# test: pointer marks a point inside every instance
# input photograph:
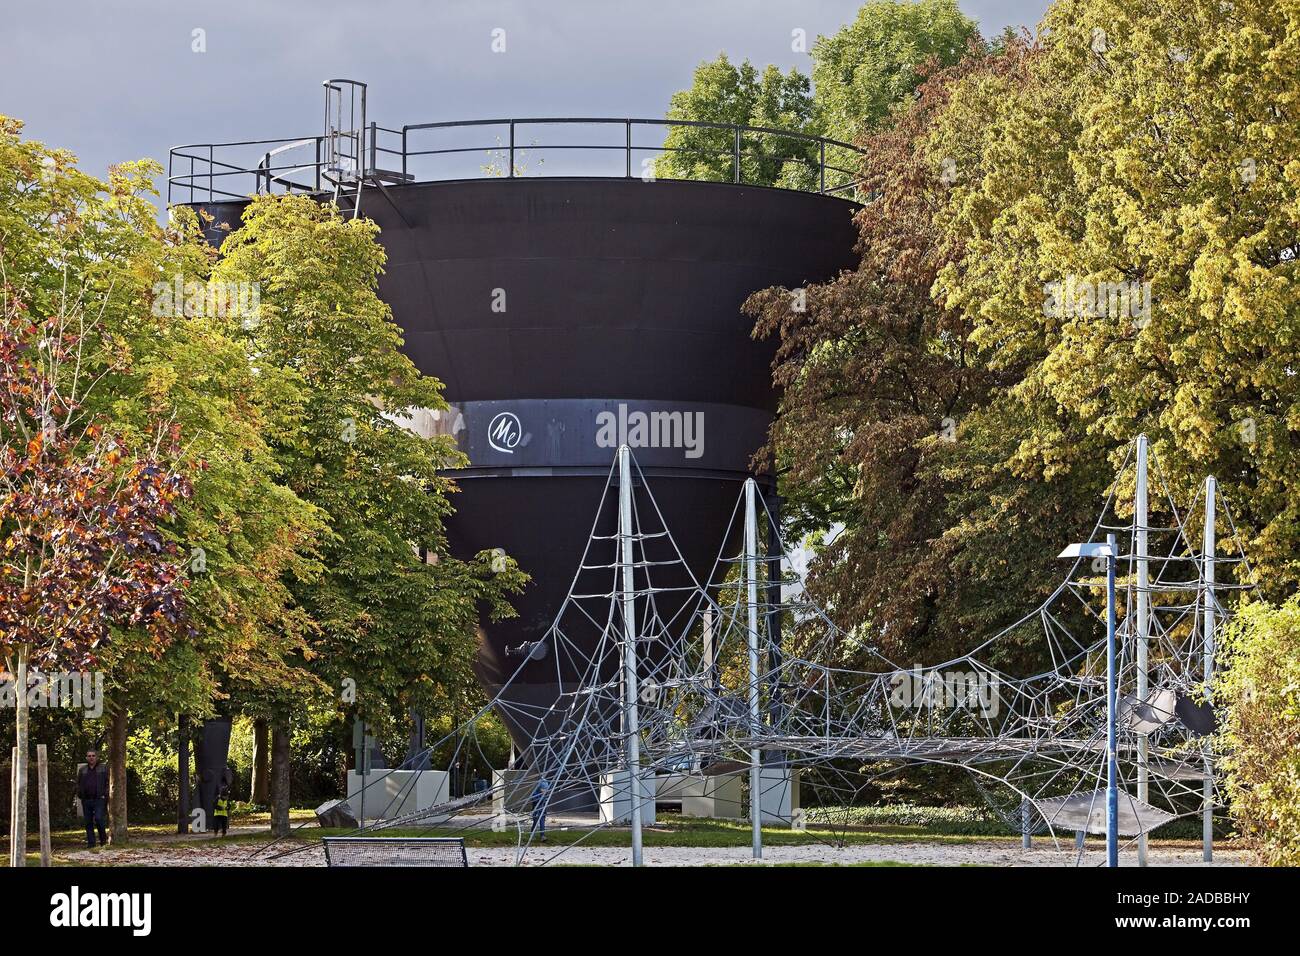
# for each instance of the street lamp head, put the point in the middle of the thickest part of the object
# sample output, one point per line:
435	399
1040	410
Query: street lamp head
1088	550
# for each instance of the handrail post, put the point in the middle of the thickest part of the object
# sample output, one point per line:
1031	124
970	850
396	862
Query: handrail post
317	167
511	174
210	158
736	158
822	188
374	151
361	136
403	150
627	124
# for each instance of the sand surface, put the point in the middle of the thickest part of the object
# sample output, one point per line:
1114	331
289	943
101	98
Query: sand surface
206	851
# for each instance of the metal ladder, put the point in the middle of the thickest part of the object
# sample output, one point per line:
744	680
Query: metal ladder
350	145
344	152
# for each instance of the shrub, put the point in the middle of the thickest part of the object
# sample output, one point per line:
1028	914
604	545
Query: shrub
1259	690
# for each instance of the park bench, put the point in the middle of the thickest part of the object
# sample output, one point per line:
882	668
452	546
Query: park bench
395	851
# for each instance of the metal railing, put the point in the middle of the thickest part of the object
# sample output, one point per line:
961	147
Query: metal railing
431	152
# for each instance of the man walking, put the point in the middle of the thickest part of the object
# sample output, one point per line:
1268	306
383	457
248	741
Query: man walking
92	790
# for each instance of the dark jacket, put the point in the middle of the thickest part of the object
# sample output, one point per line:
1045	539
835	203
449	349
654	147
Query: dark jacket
92	782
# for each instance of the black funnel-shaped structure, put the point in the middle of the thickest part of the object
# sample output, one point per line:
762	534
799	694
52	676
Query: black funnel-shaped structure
569	315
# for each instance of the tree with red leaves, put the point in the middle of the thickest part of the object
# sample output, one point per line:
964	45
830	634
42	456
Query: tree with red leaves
81	547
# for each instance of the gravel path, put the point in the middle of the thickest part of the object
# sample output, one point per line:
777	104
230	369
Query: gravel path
991	853
934	854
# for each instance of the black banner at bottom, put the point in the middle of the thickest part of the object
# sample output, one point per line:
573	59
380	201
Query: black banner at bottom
137	907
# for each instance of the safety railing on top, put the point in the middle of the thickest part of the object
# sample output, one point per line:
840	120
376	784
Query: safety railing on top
430	152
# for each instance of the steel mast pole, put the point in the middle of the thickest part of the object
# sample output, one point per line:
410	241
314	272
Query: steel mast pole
630	687
1207	786
751	598
1112	761
1143	623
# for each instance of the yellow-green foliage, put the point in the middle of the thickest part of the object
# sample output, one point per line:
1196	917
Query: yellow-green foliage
1155	144
1261	731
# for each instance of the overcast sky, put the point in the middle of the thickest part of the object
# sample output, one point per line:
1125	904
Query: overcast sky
119	80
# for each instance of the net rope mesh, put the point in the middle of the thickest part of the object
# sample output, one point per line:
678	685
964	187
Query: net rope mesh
832	708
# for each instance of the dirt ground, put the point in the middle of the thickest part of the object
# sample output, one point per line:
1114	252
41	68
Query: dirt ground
209	851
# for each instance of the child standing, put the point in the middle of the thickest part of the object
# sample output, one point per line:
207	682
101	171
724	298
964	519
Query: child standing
221	812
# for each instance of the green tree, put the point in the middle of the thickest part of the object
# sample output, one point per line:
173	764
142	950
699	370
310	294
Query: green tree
393	614
1026	205
896	434
1128	220
868	67
159	356
81	510
731	95
860	74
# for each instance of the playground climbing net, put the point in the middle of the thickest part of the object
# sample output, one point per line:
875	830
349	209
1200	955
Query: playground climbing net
695	682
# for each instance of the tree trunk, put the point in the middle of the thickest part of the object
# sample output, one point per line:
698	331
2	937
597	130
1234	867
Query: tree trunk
260	788
280	777
117	733
18	849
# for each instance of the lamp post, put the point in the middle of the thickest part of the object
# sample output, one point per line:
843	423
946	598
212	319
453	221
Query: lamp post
1107	551
631	686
